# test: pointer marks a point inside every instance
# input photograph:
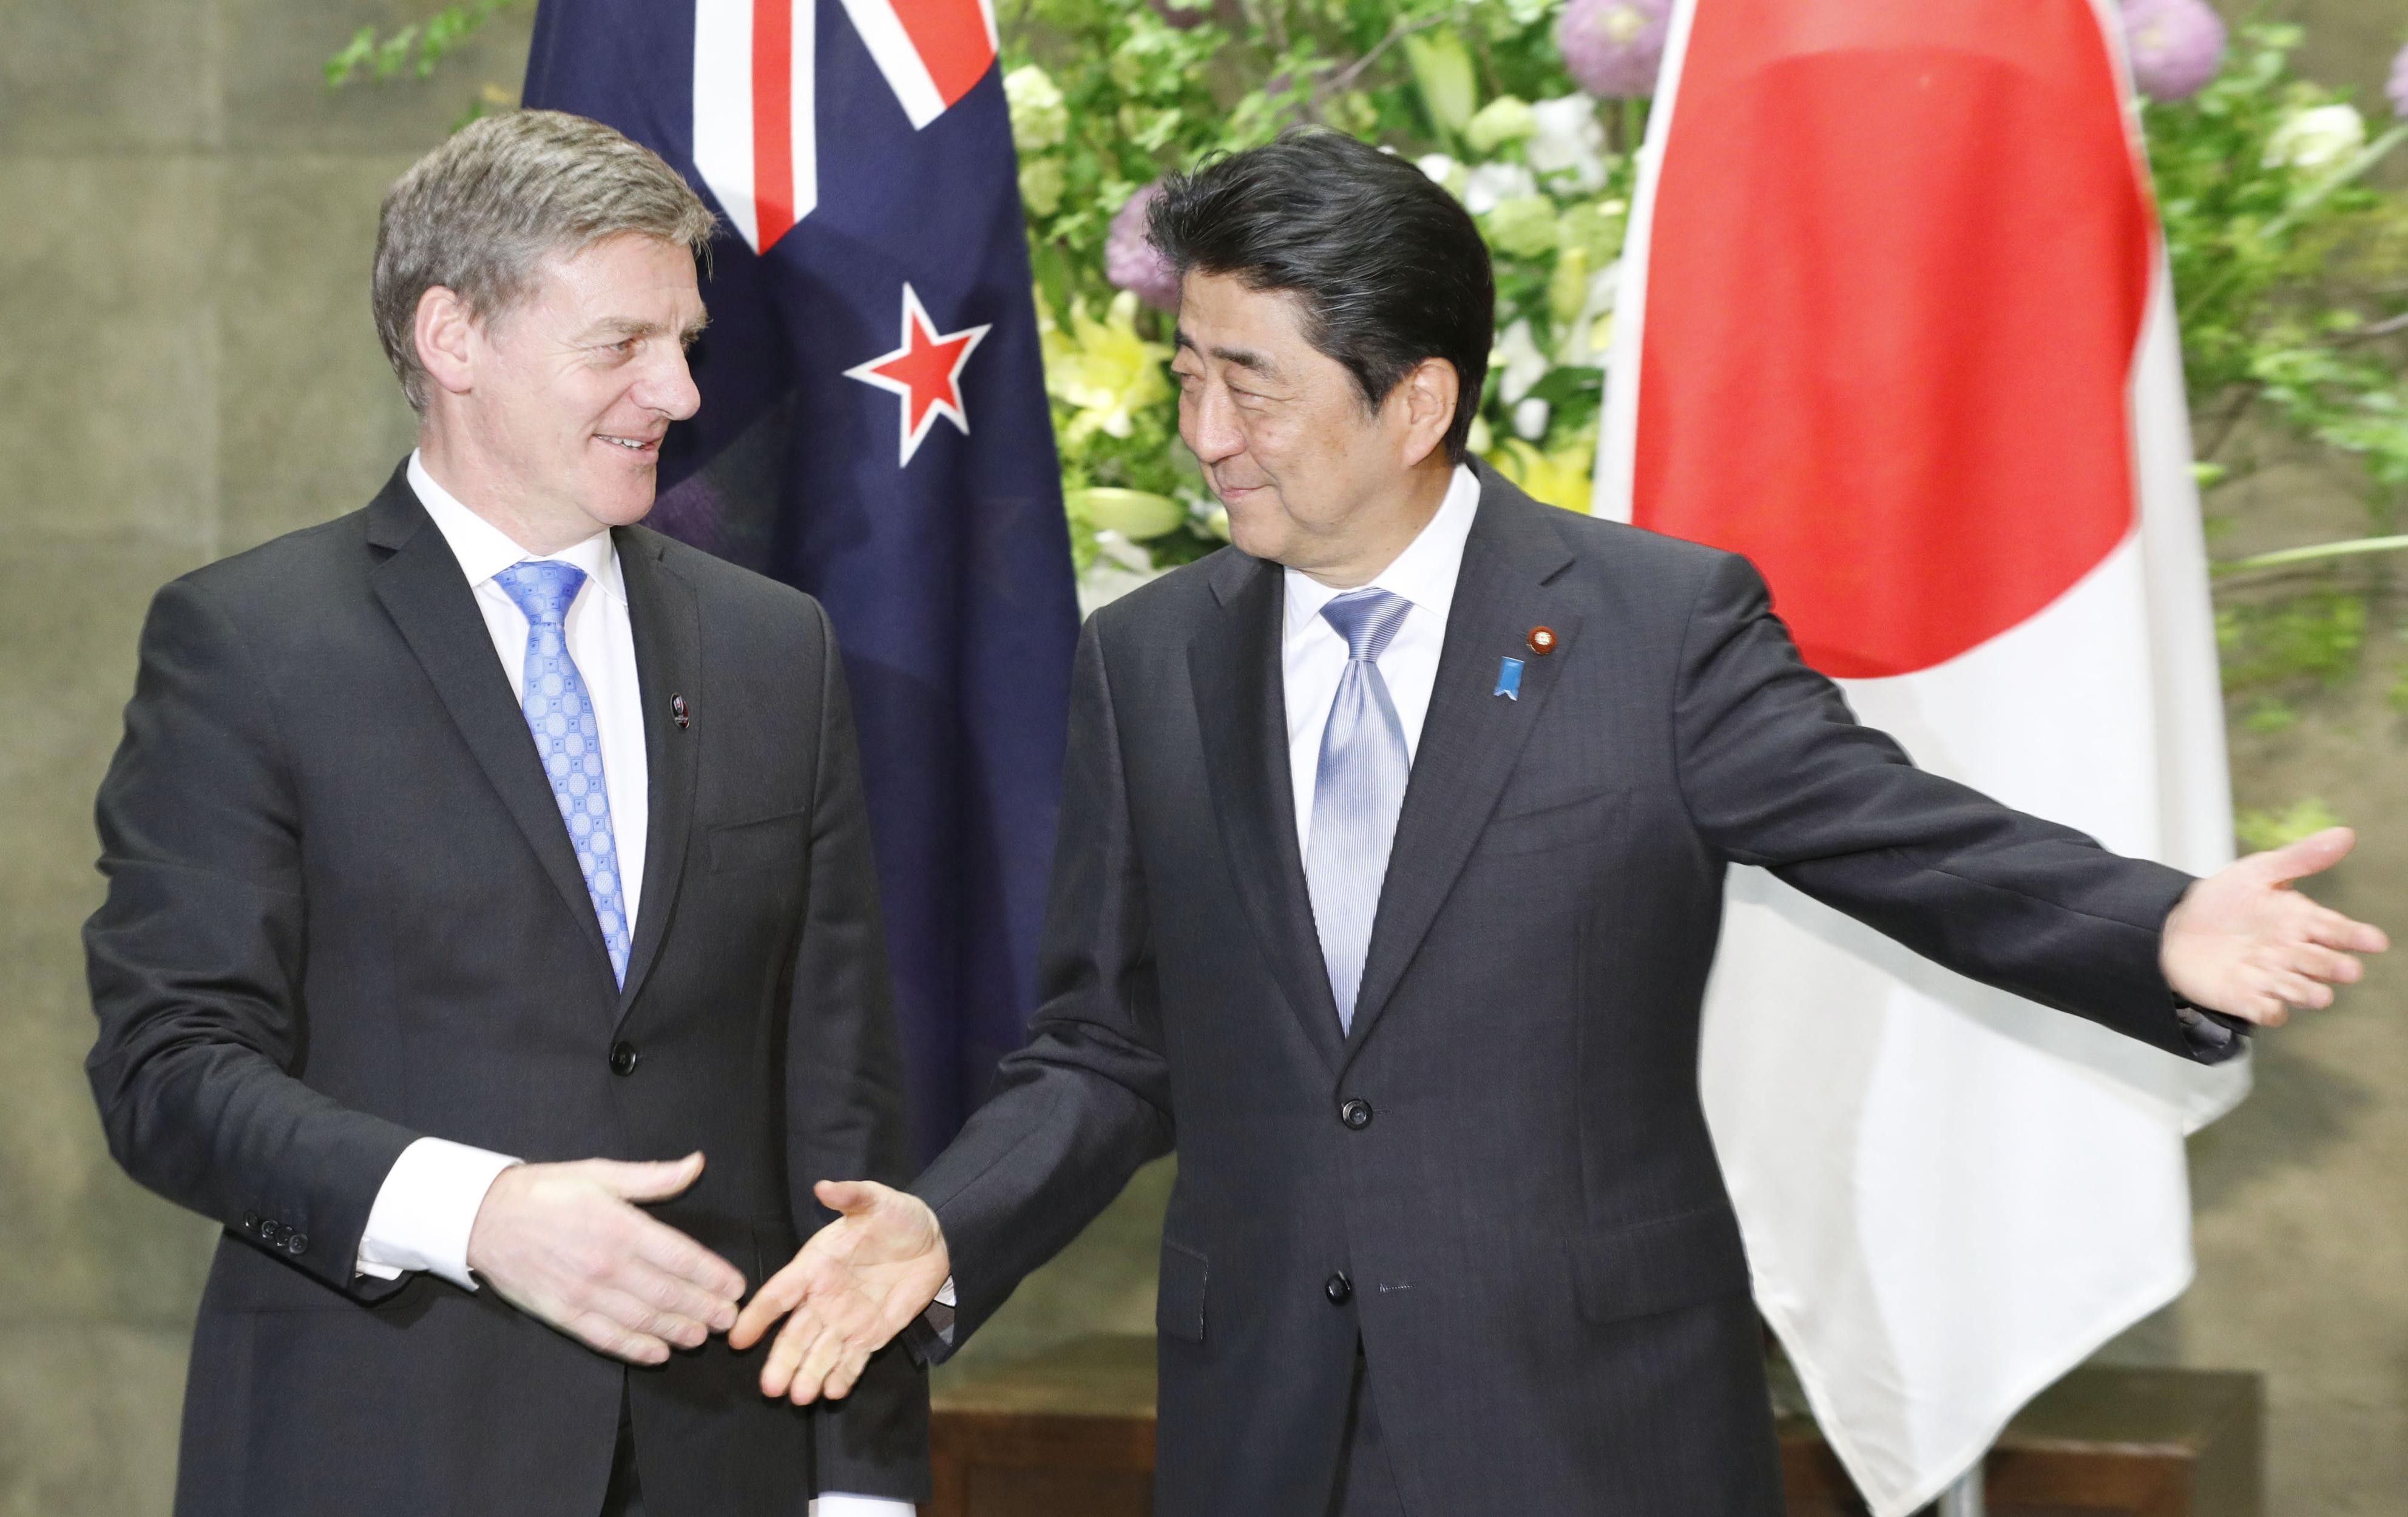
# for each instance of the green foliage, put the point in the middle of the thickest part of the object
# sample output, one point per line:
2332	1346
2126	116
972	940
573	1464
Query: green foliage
2257	830
2286	266
1108	95
2313	636
415	50
2288	277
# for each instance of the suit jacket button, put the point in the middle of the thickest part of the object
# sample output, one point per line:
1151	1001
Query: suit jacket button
1355	1113
251	1221
622	1058
271	1232
297	1244
1338	1289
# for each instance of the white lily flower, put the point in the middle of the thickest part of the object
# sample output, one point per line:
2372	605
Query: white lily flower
1120	566
2324	137
1530	418
1484	187
1583	336
1443	171
1518	361
1567	139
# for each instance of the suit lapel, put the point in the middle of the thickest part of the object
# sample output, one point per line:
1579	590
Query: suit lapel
1471	737
668	662
1234	665
429	600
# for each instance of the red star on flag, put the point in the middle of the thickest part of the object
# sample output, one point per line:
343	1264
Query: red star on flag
926	370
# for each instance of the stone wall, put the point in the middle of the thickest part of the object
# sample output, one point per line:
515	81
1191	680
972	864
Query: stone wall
190	369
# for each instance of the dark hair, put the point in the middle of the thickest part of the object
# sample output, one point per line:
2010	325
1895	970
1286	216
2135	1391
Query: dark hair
1392	271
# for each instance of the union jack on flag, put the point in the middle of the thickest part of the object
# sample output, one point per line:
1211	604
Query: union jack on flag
874	429
755	127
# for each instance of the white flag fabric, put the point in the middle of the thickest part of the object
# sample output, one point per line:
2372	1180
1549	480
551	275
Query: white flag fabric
1896	323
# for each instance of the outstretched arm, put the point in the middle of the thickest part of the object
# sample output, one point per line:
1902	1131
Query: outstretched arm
1073	1115
1778	772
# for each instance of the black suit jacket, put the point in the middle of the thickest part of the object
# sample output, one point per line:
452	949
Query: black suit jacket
343	913
1502	1182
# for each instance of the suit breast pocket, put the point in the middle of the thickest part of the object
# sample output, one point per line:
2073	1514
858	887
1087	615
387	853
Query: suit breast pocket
772	843
1659	1266
1547	821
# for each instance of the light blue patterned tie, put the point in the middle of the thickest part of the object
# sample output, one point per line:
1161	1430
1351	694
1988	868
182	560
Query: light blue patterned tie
1358	791
560	714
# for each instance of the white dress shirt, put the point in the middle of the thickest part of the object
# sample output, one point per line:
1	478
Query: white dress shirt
429	1200
1313	657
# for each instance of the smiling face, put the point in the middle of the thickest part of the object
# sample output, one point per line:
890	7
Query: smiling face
1311	477
547	418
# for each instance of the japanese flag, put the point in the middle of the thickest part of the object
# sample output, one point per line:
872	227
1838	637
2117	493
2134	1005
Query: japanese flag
1895	323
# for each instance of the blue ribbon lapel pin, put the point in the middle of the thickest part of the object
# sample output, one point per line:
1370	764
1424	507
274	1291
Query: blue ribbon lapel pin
1509	678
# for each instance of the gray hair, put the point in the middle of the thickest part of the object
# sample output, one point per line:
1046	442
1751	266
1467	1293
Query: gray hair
479	216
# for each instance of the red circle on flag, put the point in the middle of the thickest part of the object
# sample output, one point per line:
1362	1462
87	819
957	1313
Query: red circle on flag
1896	276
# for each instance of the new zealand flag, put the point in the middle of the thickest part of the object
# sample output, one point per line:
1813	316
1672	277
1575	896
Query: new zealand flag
874	430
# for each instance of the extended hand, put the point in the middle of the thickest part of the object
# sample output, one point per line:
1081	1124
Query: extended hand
2242	941
858	1282
561	1243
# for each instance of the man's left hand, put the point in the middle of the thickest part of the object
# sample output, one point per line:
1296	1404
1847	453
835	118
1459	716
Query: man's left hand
2243	942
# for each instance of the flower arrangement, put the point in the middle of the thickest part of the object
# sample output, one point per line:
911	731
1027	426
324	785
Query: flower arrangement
1529	111
2286	261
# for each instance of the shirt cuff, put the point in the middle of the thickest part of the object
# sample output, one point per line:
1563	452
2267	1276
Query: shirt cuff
426	1209
942	1311
2210	1036
845	1504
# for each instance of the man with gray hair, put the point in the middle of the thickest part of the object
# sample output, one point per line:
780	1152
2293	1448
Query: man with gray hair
477	863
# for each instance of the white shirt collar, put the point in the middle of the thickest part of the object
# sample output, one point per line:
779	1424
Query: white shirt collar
485	550
1425	573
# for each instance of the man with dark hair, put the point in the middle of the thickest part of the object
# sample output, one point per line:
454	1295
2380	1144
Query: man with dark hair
477	861
1390	874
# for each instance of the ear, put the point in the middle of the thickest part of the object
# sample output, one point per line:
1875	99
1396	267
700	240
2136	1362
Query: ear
1427	395
446	335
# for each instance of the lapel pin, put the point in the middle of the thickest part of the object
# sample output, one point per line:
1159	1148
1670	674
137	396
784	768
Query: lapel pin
678	712
1509	678
1542	640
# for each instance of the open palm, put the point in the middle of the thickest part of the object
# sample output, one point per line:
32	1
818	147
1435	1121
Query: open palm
856	1283
2243	942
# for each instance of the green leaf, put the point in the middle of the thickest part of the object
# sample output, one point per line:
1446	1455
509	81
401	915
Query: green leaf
1443	71
2315	636
2259	830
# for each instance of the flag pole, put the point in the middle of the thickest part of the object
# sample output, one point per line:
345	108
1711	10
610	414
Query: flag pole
1964	1498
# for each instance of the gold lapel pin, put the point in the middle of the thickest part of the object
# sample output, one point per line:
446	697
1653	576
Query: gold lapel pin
1542	640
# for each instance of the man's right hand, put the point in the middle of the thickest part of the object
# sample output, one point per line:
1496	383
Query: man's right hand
856	1285
563	1243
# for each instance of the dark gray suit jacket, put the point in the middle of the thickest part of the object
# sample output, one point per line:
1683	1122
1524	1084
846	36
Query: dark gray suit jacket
343	913
1506	1162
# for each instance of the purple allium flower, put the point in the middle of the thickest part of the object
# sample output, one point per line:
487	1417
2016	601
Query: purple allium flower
2176	45
2397	88
1614	47
1132	263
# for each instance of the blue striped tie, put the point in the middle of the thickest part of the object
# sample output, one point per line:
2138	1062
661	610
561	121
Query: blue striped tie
1359	789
